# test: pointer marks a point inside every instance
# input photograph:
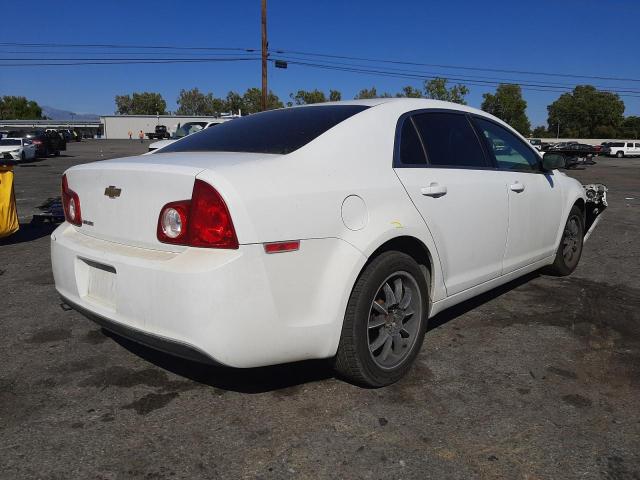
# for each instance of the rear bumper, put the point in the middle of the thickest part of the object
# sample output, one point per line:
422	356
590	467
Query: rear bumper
157	342
241	308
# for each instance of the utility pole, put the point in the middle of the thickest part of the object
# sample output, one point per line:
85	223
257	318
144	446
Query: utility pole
558	136
264	55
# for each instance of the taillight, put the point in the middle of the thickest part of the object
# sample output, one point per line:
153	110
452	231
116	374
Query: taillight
70	204
203	221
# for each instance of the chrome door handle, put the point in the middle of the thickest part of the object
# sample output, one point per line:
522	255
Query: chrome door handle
516	187
434	190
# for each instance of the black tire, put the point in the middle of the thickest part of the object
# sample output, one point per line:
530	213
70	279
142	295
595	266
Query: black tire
23	157
620	154
57	153
570	248
354	361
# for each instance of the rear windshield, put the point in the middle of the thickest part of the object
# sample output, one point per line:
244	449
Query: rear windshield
277	131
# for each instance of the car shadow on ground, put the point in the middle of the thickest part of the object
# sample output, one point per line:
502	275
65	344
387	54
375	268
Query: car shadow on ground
29	232
468	305
277	377
242	380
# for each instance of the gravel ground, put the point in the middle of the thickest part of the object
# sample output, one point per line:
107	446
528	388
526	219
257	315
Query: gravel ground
539	379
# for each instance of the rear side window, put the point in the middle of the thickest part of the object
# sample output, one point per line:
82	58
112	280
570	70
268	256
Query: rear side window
449	140
277	131
616	144
411	151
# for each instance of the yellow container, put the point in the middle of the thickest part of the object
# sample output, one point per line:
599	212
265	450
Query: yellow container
8	213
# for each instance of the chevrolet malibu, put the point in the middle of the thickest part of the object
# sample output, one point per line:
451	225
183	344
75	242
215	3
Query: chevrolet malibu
324	231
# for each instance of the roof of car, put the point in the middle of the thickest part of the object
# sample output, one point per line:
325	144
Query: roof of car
411	104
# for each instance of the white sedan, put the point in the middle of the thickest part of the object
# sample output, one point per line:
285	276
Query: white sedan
324	231
17	149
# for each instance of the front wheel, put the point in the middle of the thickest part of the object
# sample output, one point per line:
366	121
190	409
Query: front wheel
570	248
620	154
385	321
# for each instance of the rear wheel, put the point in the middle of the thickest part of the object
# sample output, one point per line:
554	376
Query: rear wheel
570	248
57	153
385	321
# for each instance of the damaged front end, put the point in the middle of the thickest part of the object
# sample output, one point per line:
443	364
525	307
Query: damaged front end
596	204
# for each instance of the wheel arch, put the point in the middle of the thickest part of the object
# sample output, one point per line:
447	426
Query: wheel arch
416	249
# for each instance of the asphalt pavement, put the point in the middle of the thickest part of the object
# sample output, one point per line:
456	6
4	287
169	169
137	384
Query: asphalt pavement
539	379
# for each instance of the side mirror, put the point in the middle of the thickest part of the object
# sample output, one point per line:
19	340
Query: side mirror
553	161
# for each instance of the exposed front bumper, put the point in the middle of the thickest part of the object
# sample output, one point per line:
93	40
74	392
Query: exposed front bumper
241	308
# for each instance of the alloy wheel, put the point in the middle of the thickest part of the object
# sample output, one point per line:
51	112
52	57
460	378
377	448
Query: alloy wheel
394	320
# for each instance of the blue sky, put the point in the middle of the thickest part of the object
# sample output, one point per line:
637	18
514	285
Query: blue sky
586	37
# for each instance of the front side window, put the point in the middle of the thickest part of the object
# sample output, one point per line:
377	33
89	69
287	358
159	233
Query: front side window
449	140
510	152
276	131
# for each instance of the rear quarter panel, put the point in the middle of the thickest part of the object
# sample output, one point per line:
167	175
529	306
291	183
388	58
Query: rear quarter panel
300	195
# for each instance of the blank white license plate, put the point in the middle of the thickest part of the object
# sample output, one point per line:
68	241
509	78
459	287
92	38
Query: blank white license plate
101	286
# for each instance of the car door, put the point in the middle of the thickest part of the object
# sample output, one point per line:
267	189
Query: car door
29	149
535	196
443	167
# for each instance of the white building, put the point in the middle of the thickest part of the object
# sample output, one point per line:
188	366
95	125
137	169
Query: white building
119	126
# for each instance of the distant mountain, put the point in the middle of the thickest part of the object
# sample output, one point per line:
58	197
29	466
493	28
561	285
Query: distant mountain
57	114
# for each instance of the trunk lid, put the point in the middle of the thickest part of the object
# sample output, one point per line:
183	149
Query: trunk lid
120	200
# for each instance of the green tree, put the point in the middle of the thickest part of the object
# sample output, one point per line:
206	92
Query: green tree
194	102
370	93
436	89
630	127
303	97
541	132
335	96
410	92
507	104
233	102
141	103
586	113
252	101
19	108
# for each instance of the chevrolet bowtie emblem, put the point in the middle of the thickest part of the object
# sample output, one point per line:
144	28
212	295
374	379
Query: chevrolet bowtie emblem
112	192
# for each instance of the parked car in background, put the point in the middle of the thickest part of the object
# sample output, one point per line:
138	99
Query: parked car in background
66	134
159	133
183	131
17	149
537	143
320	231
47	142
628	148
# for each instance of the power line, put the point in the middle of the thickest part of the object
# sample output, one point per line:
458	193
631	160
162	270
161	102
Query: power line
460	67
459	77
122	46
540	88
129	62
91	59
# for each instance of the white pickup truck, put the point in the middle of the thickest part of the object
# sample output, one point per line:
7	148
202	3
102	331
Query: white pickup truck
628	148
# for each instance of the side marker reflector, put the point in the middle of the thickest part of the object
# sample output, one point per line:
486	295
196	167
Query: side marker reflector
280	247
